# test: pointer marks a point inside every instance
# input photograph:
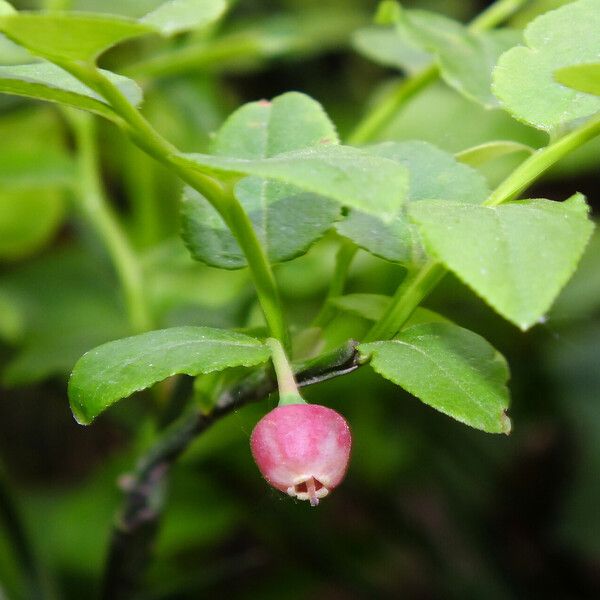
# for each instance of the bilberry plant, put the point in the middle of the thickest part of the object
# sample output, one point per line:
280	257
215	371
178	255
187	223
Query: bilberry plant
277	179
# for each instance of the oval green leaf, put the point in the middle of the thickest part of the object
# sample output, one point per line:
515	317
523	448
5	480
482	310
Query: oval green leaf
46	81
516	256
287	220
584	78
524	77
176	16
69	36
117	369
384	46
449	368
352	177
466	58
484	153
433	173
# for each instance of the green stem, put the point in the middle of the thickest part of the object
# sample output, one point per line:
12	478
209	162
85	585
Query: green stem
414	288
385	111
419	284
496	13
218	194
343	260
264	281
288	388
140	184
539	162
102	219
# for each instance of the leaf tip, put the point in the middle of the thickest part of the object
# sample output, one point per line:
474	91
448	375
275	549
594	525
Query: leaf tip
79	416
505	423
77	408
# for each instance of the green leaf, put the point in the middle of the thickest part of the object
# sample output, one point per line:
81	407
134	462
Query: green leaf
69	36
6	8
524	78
368	306
286	229
516	256
287	220
388	12
13	54
297	34
45	81
433	174
466	58
583	78
450	368
484	153
176	16
384	46
347	175
73	36
118	369
264	129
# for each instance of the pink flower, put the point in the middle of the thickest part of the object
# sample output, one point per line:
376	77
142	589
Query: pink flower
302	449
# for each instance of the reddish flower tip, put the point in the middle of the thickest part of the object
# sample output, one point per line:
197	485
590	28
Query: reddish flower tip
302	449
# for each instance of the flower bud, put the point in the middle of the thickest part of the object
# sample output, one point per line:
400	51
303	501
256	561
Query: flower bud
302	449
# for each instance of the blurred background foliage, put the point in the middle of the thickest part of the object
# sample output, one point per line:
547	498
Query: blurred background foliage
430	508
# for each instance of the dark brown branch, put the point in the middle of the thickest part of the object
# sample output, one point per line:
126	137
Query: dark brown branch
137	522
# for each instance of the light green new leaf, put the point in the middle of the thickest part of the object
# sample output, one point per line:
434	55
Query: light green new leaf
69	36
433	173
516	256
450	368
524	78
286	219
368	306
298	33
352	177
384	46
466	58
584	78
176	16
118	369
484	153
46	81
373	307
6	8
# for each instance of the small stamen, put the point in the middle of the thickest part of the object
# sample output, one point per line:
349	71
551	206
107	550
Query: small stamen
312	492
